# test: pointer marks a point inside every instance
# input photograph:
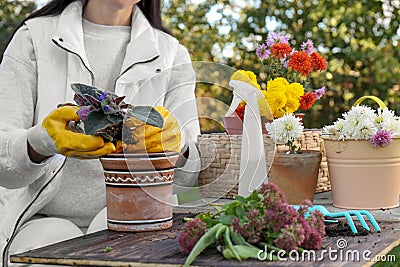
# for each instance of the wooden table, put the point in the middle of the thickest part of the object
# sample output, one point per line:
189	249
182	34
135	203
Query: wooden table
160	248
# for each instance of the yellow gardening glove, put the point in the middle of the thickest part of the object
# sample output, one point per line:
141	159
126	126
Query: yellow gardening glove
153	139
64	141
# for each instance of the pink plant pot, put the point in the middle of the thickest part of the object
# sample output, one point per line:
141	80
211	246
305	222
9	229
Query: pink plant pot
234	125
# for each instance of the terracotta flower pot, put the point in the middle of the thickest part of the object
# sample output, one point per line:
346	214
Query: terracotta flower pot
234	125
296	175
300	116
139	190
361	176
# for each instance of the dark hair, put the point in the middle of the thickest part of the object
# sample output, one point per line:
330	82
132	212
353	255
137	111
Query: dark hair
150	8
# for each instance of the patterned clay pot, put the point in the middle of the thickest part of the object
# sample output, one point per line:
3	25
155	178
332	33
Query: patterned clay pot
296	175
139	190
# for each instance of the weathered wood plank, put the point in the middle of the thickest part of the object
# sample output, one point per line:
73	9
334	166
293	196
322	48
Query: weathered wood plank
160	248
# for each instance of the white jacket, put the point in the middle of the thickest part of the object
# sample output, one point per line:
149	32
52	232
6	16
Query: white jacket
156	71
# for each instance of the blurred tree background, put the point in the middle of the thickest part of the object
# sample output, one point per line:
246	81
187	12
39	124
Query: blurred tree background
359	38
11	14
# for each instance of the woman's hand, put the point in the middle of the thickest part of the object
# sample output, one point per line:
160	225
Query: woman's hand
147	138
55	136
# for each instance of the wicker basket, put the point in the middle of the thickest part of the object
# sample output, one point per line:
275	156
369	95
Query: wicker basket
220	159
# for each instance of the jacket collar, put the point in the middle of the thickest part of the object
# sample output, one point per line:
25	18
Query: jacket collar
142	47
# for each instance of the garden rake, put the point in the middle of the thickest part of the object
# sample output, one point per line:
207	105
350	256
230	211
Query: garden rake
348	215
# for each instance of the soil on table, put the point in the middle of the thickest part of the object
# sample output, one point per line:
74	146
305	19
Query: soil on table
343	229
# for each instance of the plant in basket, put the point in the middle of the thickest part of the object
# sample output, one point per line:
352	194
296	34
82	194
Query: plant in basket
363	155
288	74
139	180
294	171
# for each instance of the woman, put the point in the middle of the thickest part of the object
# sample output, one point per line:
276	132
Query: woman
115	45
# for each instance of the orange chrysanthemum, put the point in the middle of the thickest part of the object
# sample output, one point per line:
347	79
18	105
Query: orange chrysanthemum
318	62
280	50
301	62
307	101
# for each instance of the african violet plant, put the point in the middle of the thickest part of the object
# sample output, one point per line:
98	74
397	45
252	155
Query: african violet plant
103	113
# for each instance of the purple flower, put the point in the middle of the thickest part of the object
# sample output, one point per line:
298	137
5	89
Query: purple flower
381	138
106	108
320	92
83	112
308	47
285	62
103	95
275	38
262	51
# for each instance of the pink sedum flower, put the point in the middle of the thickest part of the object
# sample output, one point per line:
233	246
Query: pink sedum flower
192	231
382	138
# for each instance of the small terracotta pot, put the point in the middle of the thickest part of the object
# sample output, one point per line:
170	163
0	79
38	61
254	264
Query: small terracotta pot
296	175
234	125
361	176
139	190
300	116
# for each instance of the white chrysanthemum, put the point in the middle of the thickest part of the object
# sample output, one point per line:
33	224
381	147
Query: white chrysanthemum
387	120
285	129
362	122
359	122
339	126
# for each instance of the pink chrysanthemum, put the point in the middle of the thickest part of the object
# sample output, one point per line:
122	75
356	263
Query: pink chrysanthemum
382	138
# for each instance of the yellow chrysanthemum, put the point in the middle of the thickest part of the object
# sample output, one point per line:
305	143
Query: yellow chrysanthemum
247	77
295	90
264	107
276	100
292	104
277	84
279	113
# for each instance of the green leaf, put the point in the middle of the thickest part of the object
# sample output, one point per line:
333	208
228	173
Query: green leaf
253	196
231	210
84	89
95	121
148	115
241	199
226	219
253	204
240	212
115	118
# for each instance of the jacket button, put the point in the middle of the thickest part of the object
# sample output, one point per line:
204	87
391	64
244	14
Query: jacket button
61	39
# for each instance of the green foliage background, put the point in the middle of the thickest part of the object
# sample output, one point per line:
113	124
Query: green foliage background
12	13
359	38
